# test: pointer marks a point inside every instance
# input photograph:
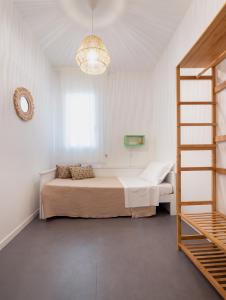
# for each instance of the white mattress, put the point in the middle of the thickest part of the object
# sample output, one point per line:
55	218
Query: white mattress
165	188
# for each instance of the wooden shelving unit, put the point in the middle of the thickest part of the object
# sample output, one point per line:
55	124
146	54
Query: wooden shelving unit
211	225
210	260
207	249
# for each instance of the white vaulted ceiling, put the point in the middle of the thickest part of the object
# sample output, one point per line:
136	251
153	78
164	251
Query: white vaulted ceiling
134	31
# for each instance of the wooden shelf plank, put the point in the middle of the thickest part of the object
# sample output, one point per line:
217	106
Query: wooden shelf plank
220	87
197	147
191	203
196	124
209	270
215	62
209	46
187	169
193	237
221	171
199	221
196	78
197	103
220	138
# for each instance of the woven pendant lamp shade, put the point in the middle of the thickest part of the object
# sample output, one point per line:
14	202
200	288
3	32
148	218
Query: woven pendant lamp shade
92	56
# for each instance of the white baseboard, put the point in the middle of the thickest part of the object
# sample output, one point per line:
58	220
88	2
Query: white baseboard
17	230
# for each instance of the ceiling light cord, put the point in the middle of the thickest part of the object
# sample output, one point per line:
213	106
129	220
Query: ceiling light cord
92	20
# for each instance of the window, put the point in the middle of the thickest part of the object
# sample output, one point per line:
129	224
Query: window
80	121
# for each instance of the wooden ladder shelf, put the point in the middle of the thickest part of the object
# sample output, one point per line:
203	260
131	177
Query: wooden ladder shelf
208	251
207	248
210	261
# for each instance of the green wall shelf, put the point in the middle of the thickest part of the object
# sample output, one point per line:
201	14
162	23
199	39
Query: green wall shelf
134	140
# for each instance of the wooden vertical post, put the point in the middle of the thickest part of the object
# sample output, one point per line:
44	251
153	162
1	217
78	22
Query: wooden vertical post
178	171
214	154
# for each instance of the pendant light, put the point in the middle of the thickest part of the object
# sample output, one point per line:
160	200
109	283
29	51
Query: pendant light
92	56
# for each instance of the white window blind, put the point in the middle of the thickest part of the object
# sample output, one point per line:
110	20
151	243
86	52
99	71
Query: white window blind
80	121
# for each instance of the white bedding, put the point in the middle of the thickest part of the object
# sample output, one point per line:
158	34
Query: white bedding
139	192
165	188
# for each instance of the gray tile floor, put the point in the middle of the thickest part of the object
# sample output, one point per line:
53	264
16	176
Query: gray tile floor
112	259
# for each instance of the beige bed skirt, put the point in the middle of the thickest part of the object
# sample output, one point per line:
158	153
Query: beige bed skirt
100	197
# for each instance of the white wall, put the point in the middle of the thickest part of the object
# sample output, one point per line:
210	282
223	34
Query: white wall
127	109
26	147
199	15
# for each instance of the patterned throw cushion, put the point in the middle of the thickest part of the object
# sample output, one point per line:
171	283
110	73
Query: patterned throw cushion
82	172
63	171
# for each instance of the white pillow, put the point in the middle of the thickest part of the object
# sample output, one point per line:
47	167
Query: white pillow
156	172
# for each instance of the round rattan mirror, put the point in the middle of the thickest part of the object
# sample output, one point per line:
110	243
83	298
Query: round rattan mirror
23	103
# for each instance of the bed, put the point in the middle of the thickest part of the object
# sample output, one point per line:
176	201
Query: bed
99	197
